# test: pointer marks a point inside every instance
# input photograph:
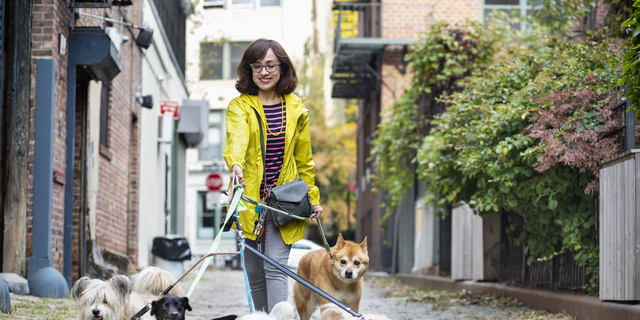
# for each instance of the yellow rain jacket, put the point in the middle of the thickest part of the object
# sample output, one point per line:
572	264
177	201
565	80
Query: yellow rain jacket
243	148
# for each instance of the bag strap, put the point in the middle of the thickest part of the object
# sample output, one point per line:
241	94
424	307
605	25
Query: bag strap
264	180
264	165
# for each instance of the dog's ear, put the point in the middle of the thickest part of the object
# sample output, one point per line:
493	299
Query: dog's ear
340	242
154	307
122	284
363	245
78	288
185	303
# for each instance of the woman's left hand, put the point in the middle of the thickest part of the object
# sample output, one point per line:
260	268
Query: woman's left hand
318	210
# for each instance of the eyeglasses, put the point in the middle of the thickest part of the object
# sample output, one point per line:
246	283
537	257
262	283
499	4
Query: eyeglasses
257	67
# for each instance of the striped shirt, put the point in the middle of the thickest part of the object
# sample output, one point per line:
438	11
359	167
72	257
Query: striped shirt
275	144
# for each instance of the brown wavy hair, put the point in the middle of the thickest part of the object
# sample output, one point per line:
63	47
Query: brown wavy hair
257	50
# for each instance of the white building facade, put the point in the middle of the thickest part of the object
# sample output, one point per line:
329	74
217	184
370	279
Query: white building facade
162	79
218	33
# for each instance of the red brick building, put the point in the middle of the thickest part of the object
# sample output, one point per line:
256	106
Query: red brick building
95	67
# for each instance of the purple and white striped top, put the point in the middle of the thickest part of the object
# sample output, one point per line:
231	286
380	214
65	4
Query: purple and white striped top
275	144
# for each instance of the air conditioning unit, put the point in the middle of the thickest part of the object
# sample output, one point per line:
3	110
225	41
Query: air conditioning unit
214	4
165	128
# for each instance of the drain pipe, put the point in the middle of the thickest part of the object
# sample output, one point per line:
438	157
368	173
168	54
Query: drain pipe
44	280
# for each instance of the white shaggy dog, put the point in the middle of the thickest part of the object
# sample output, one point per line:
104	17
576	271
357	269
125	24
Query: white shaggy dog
108	300
116	300
153	280
281	311
332	312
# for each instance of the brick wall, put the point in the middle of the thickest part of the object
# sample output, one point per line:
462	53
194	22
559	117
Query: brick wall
50	19
406	19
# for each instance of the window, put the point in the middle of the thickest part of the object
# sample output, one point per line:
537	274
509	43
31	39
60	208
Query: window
219	61
269	3
521	8
215	138
210	61
210	214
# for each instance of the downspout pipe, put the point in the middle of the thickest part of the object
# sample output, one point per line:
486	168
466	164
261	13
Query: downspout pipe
44	280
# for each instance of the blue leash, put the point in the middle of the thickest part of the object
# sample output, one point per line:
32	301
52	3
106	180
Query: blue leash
244	267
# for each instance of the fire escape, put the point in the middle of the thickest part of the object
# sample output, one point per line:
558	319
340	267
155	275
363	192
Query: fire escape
358	47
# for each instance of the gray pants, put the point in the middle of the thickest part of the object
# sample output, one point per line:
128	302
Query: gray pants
268	285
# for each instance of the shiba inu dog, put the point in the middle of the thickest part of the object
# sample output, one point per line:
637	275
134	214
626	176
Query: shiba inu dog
340	277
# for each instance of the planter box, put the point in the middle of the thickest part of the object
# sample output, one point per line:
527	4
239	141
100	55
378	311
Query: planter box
620	227
471	238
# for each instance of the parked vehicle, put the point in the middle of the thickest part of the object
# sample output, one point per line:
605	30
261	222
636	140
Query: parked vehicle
299	249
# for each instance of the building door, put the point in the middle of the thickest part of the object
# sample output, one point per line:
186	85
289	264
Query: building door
78	259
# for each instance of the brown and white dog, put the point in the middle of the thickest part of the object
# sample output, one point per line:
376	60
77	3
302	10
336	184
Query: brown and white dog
115	300
340	278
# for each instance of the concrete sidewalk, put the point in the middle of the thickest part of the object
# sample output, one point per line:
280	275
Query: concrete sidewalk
582	307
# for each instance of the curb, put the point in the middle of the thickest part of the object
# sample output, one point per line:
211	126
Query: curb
581	307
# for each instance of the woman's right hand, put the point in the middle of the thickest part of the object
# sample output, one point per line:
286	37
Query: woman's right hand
237	171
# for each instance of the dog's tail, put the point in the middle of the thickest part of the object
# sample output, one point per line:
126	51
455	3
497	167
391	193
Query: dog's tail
153	281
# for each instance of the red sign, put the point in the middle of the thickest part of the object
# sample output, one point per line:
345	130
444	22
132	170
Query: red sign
214	182
170	108
351	185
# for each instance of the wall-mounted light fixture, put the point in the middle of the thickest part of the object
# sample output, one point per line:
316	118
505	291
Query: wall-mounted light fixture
147	101
145	37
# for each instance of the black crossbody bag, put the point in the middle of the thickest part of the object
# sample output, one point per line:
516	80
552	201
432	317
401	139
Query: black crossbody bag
291	197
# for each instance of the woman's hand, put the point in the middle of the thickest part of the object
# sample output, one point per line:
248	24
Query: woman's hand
236	170
318	210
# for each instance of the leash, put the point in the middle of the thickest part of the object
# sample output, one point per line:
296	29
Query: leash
237	194
235	200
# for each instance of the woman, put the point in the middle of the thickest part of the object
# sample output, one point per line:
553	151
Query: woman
266	81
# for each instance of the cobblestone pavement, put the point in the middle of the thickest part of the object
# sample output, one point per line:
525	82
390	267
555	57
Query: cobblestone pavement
222	292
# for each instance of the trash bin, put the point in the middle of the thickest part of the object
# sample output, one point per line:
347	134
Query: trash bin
169	252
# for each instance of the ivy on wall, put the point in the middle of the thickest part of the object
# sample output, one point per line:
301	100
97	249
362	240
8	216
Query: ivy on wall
631	69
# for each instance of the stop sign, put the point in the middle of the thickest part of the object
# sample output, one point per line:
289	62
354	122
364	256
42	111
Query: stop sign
214	182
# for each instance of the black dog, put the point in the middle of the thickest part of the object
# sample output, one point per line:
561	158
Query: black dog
170	308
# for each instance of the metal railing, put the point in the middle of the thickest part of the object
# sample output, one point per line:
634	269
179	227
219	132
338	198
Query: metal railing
625	128
509	260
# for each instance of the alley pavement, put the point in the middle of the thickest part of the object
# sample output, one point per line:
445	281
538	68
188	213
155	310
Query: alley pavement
222	292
